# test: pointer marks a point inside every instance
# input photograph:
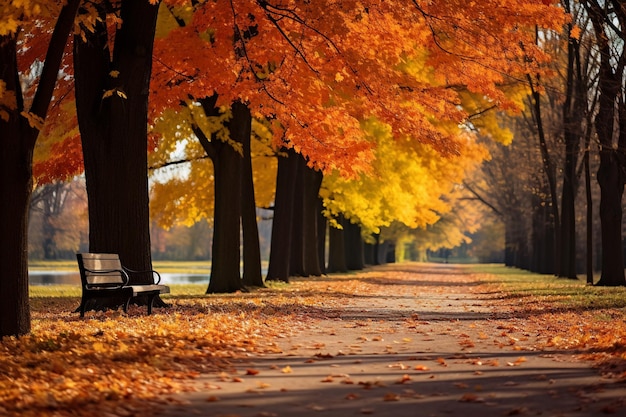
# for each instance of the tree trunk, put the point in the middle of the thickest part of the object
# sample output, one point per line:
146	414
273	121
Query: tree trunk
611	191
280	246
572	119
16	158
322	225
251	247
336	249
227	173
589	219
312	180
355	260
15	190
610	176
543	238
550	172
114	134
296	257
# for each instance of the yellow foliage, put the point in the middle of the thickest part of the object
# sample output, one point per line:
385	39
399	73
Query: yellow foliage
408	182
185	194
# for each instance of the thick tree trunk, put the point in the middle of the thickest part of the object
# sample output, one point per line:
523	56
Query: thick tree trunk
610	176
280	246
227	172
543	239
16	156
336	249
611	183
114	134
355	258
251	247
225	265
15	189
312	181
296	256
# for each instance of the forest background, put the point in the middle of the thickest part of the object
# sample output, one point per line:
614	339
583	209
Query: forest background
478	127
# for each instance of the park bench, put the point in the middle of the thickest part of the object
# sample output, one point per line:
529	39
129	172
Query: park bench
103	277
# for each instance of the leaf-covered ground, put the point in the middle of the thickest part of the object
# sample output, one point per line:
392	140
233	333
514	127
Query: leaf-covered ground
113	364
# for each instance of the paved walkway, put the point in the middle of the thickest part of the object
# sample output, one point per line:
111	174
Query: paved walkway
425	340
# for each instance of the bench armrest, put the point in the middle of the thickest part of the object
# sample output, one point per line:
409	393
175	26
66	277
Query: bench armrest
122	273
154	273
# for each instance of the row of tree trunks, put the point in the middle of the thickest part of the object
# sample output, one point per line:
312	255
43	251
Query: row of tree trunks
295	247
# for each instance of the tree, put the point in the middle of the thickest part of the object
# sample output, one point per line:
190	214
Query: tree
609	20
112	74
289	64
20	126
58	220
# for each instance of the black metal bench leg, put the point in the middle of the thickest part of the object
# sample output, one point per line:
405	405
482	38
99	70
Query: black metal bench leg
150	301
82	308
126	304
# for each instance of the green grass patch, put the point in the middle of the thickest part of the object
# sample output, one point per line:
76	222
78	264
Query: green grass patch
176	267
569	292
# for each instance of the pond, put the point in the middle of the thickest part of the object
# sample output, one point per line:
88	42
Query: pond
73	278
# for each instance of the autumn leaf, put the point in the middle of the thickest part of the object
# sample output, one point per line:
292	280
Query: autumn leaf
390	396
471	398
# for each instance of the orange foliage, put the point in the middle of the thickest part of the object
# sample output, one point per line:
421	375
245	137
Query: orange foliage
317	68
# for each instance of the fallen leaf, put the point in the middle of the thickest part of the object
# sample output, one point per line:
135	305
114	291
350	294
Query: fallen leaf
391	396
471	398
404	379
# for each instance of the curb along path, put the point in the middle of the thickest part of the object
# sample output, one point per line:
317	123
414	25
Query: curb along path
406	340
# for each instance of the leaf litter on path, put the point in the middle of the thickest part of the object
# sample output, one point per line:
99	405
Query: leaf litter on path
117	364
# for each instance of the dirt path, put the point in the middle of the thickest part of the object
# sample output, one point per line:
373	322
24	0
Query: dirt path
406	340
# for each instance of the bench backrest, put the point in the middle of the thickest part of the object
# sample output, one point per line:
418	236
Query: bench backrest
100	270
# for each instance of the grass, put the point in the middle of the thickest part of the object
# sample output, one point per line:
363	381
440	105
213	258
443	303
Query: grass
570	293
179	267
516	282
